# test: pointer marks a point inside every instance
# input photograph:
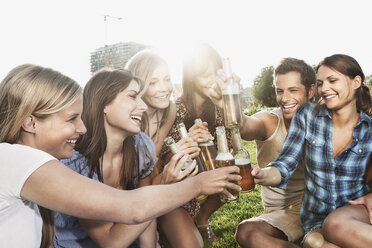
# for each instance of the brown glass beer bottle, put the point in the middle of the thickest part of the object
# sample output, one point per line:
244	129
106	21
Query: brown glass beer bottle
224	158
243	161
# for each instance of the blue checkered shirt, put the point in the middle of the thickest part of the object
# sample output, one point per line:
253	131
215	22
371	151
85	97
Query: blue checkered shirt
329	183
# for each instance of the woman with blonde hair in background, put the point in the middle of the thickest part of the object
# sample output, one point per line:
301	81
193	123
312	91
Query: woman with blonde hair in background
40	121
159	117
200	67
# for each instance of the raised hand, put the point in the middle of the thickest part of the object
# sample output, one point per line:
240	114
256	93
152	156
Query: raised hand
200	133
215	92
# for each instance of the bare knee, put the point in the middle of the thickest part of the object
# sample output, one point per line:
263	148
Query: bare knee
246	233
334	225
179	230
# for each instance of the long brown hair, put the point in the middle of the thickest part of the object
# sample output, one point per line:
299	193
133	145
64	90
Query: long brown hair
100	91
350	67
34	90
194	65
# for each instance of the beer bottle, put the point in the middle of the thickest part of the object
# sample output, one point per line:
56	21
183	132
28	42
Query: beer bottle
207	152
182	131
232	110
224	158
243	161
169	142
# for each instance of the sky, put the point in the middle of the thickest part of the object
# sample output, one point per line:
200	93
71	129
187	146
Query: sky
253	34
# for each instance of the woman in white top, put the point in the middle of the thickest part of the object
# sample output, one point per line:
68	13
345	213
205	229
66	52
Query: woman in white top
40	121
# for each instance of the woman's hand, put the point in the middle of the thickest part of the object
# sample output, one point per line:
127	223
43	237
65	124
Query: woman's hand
172	171
219	181
215	92
366	201
189	146
199	132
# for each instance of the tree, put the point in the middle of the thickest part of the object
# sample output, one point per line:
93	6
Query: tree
263	89
368	80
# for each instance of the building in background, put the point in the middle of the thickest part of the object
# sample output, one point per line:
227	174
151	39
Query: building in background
114	56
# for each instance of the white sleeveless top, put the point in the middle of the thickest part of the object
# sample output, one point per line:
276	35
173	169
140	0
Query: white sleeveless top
267	151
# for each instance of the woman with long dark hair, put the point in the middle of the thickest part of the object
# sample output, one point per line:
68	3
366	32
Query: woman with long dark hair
199	69
40	122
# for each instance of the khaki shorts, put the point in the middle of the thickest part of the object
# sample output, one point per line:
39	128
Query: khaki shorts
286	219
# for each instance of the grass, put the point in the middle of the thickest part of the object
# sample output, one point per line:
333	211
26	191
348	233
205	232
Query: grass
225	220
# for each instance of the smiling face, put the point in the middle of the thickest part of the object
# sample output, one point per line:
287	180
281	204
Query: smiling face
290	93
157	94
336	89
204	81
58	133
126	110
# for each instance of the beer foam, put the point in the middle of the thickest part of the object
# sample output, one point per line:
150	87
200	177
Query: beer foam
224	156
242	161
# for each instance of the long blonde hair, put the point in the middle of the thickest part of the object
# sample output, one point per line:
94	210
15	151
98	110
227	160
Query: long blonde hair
142	65
34	90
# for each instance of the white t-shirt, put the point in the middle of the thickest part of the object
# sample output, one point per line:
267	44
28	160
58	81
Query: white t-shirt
20	220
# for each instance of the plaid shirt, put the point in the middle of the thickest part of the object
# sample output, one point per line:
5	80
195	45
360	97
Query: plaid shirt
329	183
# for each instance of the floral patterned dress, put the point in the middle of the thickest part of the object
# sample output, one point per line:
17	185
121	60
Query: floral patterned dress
193	207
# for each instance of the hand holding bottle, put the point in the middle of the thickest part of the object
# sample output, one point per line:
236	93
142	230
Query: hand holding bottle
215	92
221	180
269	176
173	172
189	146
199	132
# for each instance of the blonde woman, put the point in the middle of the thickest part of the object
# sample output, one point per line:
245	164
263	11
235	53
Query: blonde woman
40	121
158	120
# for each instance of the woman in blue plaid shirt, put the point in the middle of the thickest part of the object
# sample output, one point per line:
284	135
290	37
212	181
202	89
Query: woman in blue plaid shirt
333	140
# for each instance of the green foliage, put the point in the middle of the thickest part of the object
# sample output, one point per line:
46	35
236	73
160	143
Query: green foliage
263	89
368	80
255	107
225	220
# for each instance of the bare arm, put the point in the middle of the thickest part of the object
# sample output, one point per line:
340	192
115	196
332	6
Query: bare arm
56	187
259	126
149	237
111	234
